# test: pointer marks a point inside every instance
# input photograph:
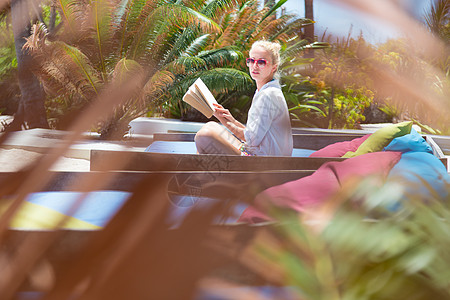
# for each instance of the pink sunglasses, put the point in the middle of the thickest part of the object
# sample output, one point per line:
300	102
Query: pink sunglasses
260	62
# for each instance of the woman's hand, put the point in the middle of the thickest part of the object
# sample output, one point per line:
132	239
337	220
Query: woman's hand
225	117
223	114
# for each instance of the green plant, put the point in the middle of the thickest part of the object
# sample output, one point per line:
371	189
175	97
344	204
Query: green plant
99	42
391	111
349	107
304	99
241	25
9	88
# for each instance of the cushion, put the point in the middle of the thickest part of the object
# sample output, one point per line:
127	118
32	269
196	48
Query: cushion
340	148
413	142
381	138
420	174
180	147
305	194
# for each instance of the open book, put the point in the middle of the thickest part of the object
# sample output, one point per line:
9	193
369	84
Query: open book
200	98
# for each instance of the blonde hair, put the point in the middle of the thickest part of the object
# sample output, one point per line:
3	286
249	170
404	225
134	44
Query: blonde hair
272	47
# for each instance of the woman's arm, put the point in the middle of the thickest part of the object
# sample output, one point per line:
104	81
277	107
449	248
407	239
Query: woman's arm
225	117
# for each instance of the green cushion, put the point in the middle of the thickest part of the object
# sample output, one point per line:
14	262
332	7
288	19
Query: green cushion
381	138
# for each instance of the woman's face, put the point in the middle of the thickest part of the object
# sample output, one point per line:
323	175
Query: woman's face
259	72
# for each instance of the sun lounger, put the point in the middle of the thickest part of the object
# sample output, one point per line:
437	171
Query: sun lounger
301	140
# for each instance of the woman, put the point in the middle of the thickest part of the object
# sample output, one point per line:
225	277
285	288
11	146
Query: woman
268	129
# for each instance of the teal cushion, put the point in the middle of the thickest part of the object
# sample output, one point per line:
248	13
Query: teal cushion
381	138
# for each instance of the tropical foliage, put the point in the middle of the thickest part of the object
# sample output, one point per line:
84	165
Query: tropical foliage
438	20
81	47
242	25
101	42
337	90
8	66
352	76
355	75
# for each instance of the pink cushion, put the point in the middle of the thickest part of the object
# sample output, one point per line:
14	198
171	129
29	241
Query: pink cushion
307	192
340	148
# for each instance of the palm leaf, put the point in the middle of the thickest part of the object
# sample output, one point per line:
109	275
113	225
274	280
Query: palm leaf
273	9
221	57
306	107
216	7
291	29
196	45
67	8
129	16
254	20
236	32
126	68
168	17
227	18
87	72
295	50
188	42
158	85
63	68
269	28
197	5
186	64
130	71
438	17
219	80
102	23
289	63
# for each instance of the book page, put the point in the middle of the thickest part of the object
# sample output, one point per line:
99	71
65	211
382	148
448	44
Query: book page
196	102
205	92
199	97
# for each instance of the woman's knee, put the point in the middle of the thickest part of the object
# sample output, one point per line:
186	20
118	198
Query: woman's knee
208	130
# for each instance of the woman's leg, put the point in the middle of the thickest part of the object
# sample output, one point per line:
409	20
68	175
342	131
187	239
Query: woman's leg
213	138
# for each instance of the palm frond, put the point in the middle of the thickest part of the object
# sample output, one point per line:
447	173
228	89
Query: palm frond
186	64
214	8
235	32
125	69
196	45
158	84
289	64
62	68
68	9
87	72
130	72
189	37
227	18
194	4
269	28
292	55
290	30
128	18
438	18
219	80
221	57
168	17
102	14
273	9
137	12
295	49
253	21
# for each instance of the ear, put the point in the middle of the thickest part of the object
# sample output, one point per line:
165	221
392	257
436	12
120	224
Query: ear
274	69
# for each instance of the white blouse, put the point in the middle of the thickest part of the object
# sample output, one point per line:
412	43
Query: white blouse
268	129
